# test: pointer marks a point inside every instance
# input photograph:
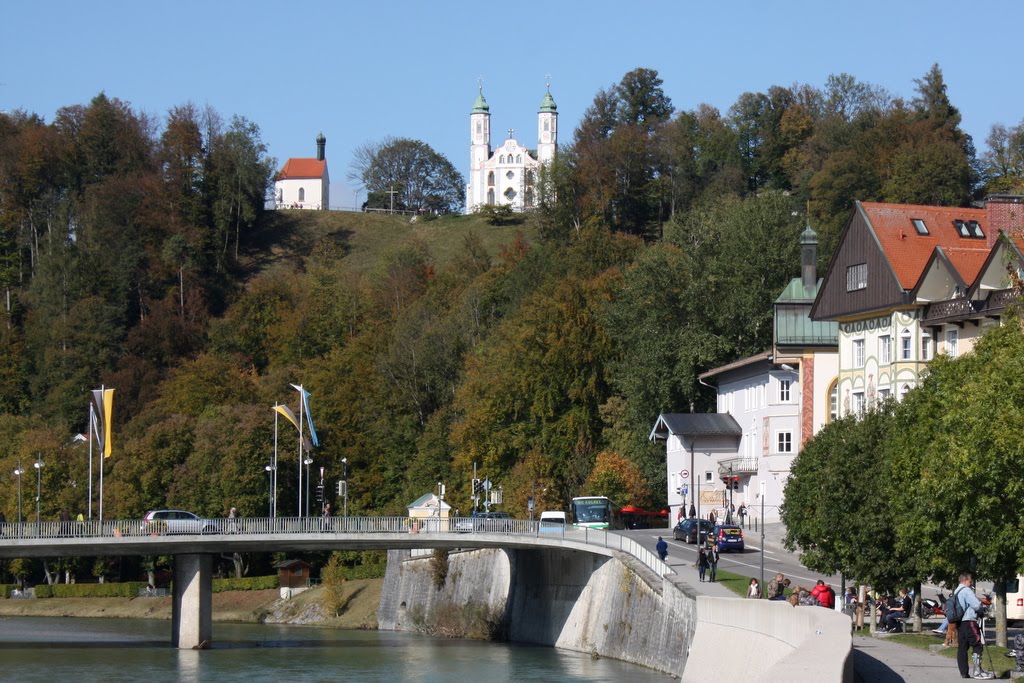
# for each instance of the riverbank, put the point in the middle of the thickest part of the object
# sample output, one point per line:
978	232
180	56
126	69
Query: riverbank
361	598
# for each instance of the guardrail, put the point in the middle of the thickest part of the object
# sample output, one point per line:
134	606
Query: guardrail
259	526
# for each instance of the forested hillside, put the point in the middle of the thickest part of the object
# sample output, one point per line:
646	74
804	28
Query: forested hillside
136	254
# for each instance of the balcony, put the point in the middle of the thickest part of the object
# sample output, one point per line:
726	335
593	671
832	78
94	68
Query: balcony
740	467
962	308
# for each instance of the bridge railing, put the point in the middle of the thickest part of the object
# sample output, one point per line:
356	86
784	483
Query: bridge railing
255	526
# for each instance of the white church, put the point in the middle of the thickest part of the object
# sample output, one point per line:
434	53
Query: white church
509	174
304	183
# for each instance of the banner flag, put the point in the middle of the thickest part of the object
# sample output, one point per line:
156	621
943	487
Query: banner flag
288	414
309	416
97	399
108	421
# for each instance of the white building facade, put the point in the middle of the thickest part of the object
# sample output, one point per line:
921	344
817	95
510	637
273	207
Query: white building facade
304	183
508	175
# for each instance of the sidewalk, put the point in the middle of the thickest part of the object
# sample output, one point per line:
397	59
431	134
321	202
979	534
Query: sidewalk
875	660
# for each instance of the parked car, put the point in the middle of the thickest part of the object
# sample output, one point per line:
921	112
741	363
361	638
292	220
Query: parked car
178	522
727	537
688	530
485	521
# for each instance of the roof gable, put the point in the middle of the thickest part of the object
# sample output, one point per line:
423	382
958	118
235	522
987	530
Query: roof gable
1006	253
303	168
695	424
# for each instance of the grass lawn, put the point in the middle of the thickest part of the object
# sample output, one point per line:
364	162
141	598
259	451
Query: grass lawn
737	583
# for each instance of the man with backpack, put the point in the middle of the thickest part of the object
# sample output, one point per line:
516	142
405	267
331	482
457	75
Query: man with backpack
964	609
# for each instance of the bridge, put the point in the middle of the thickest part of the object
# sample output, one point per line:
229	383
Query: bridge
192	622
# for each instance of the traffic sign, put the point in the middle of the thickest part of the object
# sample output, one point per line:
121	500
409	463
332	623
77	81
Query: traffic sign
685	474
686	489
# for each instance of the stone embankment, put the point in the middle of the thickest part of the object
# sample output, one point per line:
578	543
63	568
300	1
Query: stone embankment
612	607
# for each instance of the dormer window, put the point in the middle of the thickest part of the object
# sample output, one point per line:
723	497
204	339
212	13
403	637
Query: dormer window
969	229
919	226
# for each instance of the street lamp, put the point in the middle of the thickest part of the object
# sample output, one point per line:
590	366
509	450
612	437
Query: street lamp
762	485
344	489
270	495
18	472
307	462
38	464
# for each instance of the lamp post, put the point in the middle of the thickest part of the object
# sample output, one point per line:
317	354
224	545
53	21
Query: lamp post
270	495
38	464
344	489
18	472
761	585
307	462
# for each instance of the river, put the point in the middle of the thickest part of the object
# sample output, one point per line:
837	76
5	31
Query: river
46	649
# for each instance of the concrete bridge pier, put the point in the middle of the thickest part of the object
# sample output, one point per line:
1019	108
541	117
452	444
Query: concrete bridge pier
192	604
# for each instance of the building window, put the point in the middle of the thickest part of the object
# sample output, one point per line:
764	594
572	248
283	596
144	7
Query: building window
969	229
785	442
926	347
490	196
510	175
302	194
858	353
708	477
479	127
906	348
919	225
501	159
856	277
952	341
547	125
519	158
885	349
904	390
784	390
883	395
490	179
833	400
858	403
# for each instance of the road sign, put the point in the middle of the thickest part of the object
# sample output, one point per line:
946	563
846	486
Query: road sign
684	474
686	489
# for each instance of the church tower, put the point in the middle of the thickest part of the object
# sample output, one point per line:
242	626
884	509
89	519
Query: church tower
547	128
479	133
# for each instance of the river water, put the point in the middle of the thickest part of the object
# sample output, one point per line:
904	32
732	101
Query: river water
79	650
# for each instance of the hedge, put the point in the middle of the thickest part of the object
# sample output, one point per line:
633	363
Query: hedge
6	589
131	589
364	571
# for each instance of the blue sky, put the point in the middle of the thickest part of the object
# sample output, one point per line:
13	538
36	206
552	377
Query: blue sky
363	71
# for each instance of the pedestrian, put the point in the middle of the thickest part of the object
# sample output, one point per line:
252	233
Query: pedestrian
326	516
693	511
711	517
65	522
968	631
713	560
702	563
754	589
662	548
233	521
742	512
776	587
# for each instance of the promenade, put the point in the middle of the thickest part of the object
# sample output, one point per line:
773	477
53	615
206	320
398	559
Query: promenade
875	660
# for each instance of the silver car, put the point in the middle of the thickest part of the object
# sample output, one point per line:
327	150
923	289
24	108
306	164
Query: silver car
178	522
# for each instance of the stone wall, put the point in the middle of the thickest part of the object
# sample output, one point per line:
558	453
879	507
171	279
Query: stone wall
608	606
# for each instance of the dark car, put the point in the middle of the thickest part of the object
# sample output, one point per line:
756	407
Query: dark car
727	537
178	522
687	530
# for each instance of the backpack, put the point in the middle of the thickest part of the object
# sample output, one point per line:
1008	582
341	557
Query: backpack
953	610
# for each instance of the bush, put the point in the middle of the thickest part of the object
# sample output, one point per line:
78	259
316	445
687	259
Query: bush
6	588
127	589
249	583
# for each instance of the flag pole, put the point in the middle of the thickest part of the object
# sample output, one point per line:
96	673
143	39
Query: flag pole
301	459
91	429
273	475
102	393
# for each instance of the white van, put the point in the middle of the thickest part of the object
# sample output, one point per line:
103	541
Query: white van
1015	599
552	521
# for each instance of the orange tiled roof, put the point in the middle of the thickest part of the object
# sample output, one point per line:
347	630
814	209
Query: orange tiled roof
908	252
302	168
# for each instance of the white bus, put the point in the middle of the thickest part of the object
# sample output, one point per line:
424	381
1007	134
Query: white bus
595	512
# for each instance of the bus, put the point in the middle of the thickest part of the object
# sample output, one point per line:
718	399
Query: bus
595	512
635	518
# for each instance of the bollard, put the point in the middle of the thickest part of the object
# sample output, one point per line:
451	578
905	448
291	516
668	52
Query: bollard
755	525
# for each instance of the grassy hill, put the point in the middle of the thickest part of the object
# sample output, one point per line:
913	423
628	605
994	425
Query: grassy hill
288	236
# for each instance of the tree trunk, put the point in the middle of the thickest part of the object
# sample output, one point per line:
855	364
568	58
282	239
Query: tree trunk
917	607
50	578
999	606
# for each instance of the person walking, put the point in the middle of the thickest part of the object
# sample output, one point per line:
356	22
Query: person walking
326	514
662	548
754	589
713	560
233	521
702	563
968	631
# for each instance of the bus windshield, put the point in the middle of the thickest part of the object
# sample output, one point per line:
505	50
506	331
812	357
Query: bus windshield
595	512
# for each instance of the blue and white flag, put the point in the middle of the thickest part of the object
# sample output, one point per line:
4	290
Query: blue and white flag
309	416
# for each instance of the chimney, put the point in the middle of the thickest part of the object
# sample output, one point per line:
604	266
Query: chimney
808	258
1004	212
321	143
